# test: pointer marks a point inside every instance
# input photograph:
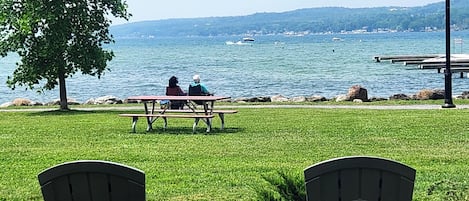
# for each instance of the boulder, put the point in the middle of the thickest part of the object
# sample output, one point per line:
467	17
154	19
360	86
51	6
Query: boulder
341	98
7	104
279	98
34	103
22	102
399	97
107	100
241	100
316	98
438	94
357	92
125	101
373	99
298	99
261	99
70	101
89	101
464	95
430	94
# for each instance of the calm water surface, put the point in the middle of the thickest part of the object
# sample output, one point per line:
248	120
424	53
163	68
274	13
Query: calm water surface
272	65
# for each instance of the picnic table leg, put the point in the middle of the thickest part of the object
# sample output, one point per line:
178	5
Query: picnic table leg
196	121
204	104
208	110
207	121
149	119
134	124
209	124
222	119
153	103
211	106
149	127
165	125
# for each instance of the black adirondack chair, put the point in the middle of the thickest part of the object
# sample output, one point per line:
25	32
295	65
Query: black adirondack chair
92	180
359	178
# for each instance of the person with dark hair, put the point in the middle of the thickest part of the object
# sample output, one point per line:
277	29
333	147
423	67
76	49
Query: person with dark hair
173	89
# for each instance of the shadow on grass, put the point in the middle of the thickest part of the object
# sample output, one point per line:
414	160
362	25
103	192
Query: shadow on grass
70	112
188	131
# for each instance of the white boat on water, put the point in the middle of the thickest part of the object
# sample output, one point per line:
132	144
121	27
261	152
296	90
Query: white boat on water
336	39
237	43
248	39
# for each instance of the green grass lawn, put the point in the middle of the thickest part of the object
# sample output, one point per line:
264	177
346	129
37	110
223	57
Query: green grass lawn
230	164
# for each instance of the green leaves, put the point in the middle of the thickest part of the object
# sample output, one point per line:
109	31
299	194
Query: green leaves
56	39
287	187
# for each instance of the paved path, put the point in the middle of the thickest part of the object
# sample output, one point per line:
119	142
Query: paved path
372	107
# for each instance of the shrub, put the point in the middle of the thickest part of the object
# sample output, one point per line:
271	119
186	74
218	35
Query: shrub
284	187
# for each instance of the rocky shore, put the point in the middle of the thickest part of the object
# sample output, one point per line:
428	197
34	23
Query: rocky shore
355	93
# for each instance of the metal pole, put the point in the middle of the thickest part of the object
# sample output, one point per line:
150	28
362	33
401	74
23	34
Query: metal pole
448	74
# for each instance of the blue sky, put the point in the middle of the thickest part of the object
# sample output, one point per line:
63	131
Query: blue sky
143	10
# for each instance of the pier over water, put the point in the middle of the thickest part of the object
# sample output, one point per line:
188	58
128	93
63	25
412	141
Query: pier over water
459	62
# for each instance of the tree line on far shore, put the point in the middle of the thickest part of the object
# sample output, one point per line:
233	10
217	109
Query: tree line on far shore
304	21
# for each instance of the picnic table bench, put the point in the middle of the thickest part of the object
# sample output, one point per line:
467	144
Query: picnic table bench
221	113
197	117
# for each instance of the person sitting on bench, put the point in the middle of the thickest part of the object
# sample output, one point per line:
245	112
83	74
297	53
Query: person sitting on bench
198	89
174	90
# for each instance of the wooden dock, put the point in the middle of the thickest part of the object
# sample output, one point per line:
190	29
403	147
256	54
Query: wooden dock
441	65
460	64
404	58
460	70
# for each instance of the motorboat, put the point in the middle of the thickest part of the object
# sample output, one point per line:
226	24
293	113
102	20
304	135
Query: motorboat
248	39
336	39
237	43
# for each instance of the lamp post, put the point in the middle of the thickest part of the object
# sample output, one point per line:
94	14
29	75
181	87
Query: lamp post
448	74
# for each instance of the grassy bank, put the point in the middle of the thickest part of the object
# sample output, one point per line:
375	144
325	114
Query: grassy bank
229	164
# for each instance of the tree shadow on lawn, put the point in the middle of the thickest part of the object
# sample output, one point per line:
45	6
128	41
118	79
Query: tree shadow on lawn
71	112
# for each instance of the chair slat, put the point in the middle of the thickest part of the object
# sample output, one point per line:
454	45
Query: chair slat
369	184
119	189
57	190
406	188
329	186
349	184
80	189
99	183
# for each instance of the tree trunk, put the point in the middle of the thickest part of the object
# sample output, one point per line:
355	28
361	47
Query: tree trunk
63	92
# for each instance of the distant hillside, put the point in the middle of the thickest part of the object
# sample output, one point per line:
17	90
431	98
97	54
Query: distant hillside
305	21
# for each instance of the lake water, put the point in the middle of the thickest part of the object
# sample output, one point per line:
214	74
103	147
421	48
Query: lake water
290	66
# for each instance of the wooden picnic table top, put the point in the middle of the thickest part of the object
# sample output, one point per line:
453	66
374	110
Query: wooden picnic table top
176	98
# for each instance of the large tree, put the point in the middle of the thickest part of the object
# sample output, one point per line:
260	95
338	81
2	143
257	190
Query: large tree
56	39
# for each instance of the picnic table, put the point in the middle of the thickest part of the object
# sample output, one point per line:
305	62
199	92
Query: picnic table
153	112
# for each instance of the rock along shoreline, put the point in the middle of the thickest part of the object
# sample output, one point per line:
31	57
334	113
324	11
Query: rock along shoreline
355	93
